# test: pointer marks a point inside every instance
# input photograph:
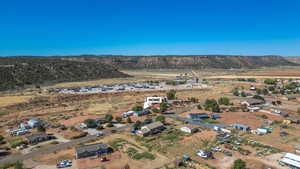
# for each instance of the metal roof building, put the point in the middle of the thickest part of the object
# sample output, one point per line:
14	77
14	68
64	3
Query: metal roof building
291	160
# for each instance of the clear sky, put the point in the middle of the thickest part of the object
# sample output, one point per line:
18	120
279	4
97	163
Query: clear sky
149	27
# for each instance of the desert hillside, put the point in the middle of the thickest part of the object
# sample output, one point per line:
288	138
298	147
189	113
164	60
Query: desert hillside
19	72
192	61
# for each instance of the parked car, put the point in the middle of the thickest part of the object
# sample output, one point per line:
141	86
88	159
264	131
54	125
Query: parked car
99	134
216	149
103	159
282	134
64	164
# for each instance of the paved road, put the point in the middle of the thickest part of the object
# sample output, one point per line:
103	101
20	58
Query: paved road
21	157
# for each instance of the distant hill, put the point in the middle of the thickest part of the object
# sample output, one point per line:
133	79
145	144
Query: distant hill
293	59
189	61
19	72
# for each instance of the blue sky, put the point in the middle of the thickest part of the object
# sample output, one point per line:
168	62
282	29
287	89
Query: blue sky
149	27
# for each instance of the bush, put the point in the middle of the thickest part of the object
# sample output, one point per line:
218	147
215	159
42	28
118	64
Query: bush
270	81
119	119
15	142
224	101
54	142
161	119
129	120
137	108
211	104
108	117
298	110
146	155
41	129
163	106
90	123
239	164
171	95
137	125
258	97
99	128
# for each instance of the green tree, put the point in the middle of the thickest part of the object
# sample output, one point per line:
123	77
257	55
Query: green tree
265	91
216	108
41	129
271	88
129	120
171	95
239	164
137	125
270	81
243	94
119	119
137	108
108	117
90	123
163	106
236	92
258	97
161	119
224	101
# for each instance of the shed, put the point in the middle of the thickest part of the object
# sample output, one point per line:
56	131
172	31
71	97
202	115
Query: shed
189	129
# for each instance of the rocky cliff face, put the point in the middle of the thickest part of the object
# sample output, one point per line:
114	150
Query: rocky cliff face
195	61
294	59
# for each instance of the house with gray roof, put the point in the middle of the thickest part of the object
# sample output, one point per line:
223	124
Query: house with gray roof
151	129
38	137
92	150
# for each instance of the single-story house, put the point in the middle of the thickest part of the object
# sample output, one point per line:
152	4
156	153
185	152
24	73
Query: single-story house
151	129
38	137
241	127
153	100
252	102
291	160
189	129
92	150
197	116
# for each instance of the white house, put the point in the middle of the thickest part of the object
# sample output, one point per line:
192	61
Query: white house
152	100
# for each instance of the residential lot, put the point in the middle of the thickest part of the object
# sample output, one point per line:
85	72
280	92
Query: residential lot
73	116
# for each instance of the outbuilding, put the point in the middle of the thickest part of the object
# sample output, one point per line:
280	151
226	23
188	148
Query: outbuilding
189	129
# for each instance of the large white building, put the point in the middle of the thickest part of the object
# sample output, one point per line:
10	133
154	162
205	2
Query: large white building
152	100
291	160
